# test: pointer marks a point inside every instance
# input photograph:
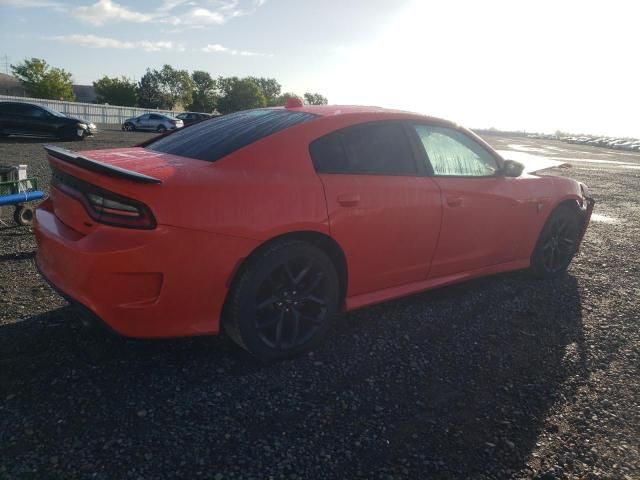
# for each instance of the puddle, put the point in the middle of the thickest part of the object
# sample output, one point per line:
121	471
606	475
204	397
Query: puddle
594	160
527	148
531	162
535	162
598	217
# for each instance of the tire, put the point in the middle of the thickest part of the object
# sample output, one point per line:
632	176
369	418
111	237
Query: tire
283	301
129	127
68	133
161	129
23	215
557	244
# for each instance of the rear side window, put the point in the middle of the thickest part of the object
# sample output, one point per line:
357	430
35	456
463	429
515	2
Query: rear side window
379	148
217	138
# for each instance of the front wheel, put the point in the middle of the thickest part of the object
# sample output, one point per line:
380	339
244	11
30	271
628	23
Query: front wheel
282	303
129	127
558	243
161	129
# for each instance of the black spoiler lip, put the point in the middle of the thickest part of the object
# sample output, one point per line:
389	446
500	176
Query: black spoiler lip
93	165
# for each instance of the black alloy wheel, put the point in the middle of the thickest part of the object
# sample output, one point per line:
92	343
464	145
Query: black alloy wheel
558	243
291	304
283	302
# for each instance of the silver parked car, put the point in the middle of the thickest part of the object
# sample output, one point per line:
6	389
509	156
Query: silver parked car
152	122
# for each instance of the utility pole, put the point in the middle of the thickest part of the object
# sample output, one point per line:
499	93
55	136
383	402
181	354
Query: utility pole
5	62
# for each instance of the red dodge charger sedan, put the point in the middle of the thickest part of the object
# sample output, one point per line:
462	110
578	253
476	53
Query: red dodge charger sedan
267	222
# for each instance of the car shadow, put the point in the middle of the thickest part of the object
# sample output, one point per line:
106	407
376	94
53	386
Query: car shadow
455	382
11	139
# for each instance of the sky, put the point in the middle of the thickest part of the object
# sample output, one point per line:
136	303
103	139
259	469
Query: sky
541	65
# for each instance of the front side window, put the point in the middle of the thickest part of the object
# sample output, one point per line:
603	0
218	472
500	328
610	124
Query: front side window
452	153
213	140
377	148
153	116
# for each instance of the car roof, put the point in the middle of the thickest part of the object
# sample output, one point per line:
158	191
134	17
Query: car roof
362	110
13	102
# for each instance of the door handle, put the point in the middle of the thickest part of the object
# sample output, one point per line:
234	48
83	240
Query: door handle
347	200
454	201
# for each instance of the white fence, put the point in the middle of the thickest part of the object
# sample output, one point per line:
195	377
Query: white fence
88	111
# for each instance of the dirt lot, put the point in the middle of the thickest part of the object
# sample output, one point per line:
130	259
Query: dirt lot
505	377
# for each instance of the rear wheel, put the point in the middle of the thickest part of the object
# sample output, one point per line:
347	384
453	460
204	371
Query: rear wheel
23	215
282	303
558	243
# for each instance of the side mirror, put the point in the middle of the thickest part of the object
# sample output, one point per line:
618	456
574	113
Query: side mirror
511	168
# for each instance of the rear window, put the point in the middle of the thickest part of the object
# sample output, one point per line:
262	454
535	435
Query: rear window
376	148
216	138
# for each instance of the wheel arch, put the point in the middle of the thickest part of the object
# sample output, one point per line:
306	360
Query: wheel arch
571	202
321	240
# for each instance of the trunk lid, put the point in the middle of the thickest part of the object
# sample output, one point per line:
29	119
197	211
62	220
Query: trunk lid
134	173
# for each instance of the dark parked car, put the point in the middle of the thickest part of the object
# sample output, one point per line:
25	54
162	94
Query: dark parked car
192	117
155	122
28	118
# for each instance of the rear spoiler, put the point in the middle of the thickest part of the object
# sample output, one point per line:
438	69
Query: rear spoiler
93	165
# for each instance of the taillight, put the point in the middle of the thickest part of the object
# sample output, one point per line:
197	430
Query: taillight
104	206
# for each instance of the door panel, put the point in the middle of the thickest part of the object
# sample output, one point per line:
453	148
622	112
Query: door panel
483	224
388	227
483	219
142	122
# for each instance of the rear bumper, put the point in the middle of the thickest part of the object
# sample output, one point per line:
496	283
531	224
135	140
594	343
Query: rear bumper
165	282
87	316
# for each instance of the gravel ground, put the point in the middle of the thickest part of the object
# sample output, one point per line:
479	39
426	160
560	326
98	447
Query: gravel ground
504	377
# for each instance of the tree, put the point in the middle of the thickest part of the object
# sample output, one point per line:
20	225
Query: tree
204	95
177	85
315	99
41	80
151	93
116	91
240	94
270	87
282	99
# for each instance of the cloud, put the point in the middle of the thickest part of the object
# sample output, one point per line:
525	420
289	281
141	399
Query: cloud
93	41
183	13
30	3
217	48
218	13
104	11
199	17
